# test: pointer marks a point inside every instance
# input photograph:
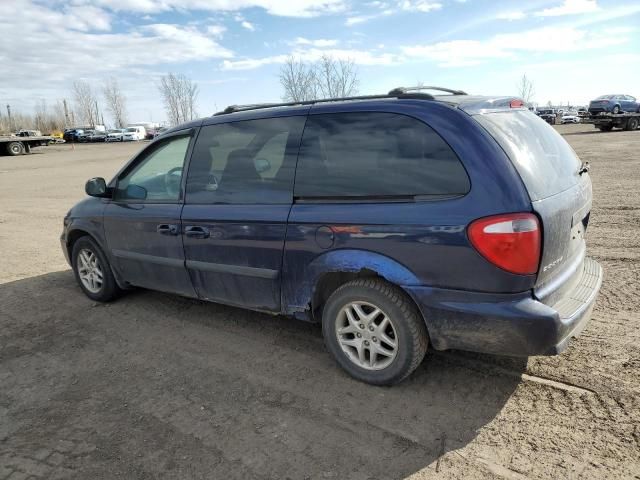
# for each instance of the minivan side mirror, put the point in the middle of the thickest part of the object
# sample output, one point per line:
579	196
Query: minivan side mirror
96	187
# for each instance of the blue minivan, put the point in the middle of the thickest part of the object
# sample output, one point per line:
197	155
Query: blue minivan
398	221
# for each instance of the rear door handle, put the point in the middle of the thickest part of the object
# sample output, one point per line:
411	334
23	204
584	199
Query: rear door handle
168	229
195	231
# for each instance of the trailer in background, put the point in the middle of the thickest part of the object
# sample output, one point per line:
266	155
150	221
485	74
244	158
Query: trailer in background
608	121
14	145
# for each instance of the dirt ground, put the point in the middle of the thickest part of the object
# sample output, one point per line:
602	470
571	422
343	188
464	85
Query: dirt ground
158	386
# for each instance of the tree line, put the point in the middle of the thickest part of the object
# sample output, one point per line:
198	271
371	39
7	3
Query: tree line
300	80
89	103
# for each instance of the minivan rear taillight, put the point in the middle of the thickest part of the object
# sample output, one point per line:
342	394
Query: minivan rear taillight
511	241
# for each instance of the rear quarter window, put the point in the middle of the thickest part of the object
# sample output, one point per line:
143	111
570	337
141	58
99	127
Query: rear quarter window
545	161
364	154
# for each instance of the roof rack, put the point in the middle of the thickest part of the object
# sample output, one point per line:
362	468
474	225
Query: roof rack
405	90
401	92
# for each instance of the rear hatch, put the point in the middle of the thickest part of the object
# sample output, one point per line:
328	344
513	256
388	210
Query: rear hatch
560	194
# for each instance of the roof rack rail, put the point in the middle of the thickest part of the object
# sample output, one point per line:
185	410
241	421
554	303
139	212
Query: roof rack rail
396	93
405	90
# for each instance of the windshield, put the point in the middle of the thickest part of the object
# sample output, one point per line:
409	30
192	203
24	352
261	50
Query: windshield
604	97
131	130
545	161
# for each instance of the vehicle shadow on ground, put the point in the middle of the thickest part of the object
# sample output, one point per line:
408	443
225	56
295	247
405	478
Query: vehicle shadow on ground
163	385
594	132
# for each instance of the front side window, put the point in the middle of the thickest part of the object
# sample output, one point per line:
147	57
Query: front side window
375	155
158	175
248	162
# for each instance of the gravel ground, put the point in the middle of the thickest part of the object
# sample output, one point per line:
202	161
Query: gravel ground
158	386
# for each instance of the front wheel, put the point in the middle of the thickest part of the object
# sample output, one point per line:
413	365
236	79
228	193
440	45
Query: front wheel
92	271
374	331
616	110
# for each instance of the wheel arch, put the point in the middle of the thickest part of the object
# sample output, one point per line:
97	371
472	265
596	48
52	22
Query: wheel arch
76	233
333	269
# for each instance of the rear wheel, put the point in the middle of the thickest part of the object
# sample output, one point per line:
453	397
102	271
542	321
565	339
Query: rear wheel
616	110
92	271
15	148
374	331
632	124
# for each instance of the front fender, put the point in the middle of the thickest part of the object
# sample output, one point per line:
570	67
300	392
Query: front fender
347	261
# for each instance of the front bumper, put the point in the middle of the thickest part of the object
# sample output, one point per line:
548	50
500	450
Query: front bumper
507	324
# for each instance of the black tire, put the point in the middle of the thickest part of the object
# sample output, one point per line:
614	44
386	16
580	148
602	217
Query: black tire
109	289
616	110
15	148
408	326
632	124
605	128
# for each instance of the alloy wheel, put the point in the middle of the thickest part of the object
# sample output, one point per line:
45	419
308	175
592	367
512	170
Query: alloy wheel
366	335
89	270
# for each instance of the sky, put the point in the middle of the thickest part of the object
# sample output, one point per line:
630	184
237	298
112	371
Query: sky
571	50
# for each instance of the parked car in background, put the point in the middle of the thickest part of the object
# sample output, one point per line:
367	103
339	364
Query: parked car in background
614	104
548	115
151	133
115	135
430	234
134	134
71	135
570	117
98	136
85	136
29	133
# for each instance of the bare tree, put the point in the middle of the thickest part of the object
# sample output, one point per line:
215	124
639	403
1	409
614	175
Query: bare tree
179	94
41	117
85	102
525	89
116	102
298	80
327	78
336	78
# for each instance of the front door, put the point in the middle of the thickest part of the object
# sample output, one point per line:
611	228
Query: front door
239	194
142	222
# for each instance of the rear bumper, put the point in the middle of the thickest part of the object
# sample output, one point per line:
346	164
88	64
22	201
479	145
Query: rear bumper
507	324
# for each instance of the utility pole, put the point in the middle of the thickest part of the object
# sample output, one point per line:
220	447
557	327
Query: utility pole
9	115
97	117
66	114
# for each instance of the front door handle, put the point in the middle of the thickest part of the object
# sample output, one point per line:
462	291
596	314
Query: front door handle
168	229
196	231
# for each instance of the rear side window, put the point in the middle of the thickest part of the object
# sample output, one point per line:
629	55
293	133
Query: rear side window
245	162
375	155
545	161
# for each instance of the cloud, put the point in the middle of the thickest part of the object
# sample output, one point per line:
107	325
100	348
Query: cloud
389	8
216	30
65	46
542	40
284	8
419	5
320	43
247	25
569	7
360	57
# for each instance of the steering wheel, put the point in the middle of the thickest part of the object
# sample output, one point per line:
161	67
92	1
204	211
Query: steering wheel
172	180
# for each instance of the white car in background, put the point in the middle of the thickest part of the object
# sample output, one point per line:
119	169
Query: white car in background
115	135
570	117
134	134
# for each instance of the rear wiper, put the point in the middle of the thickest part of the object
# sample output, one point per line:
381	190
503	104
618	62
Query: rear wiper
584	168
